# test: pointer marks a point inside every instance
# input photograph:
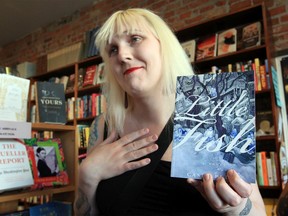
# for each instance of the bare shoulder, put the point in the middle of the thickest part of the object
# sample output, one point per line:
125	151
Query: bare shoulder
96	131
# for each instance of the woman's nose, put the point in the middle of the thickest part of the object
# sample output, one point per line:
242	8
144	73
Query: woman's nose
124	54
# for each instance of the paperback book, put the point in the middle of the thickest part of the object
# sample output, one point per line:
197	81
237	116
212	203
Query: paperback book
47	162
15	171
214	126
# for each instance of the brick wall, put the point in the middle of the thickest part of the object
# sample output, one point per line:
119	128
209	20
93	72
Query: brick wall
178	13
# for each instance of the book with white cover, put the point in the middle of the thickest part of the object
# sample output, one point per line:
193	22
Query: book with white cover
15	170
13	98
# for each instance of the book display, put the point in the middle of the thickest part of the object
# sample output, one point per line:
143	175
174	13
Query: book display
247	57
205	45
214	126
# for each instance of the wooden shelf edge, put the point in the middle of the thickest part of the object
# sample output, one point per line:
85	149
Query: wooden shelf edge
55	127
16	195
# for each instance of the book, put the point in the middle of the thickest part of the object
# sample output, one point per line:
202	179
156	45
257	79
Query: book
259	169
214	126
206	47
263	77
50	102
101	73
89	76
47	162
15	170
54	208
227	41
274	169
251	35
269	171
190	48
13	98
264	168
71	83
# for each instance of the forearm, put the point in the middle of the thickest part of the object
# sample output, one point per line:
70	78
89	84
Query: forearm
248	208
85	202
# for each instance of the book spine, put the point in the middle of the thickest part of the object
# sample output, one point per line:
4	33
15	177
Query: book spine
259	169
264	168
257	71
263	78
269	172
274	171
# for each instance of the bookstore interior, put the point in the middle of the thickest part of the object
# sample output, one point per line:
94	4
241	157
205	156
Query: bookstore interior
49	99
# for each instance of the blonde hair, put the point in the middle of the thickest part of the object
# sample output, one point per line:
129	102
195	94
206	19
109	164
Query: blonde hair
174	59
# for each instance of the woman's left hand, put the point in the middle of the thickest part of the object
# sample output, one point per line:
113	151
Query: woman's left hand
234	198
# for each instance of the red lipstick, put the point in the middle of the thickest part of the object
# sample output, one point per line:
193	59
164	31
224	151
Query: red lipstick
130	70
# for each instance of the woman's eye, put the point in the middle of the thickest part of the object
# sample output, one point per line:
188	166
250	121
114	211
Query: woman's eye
136	38
113	50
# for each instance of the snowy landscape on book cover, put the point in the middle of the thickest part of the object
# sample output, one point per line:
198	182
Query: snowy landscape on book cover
214	126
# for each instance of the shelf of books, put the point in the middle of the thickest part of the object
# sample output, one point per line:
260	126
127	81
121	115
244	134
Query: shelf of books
239	42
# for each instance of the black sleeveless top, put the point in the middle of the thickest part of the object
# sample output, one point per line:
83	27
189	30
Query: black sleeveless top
161	195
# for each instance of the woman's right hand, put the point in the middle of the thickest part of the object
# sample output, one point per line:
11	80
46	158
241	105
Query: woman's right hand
113	157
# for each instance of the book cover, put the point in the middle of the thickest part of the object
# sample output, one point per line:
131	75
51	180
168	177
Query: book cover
71	83
54	208
13	98
206	47
227	41
214	126
90	73
190	48
15	171
47	162
101	73
251	35
50	102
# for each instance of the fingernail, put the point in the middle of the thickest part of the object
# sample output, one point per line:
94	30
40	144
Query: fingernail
206	177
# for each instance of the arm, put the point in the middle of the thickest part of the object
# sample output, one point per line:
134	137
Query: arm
107	159
236	198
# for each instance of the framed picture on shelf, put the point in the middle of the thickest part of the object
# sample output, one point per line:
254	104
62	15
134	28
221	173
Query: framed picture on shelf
47	161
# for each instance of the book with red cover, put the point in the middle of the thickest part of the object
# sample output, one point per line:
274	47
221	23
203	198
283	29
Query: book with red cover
47	162
214	126
206	47
89	77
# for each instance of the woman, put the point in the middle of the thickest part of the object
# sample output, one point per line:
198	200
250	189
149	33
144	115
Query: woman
143	58
43	169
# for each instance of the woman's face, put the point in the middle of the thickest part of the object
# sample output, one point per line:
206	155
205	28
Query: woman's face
135	62
42	154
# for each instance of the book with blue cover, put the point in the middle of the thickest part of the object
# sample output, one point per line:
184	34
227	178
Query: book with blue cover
214	126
